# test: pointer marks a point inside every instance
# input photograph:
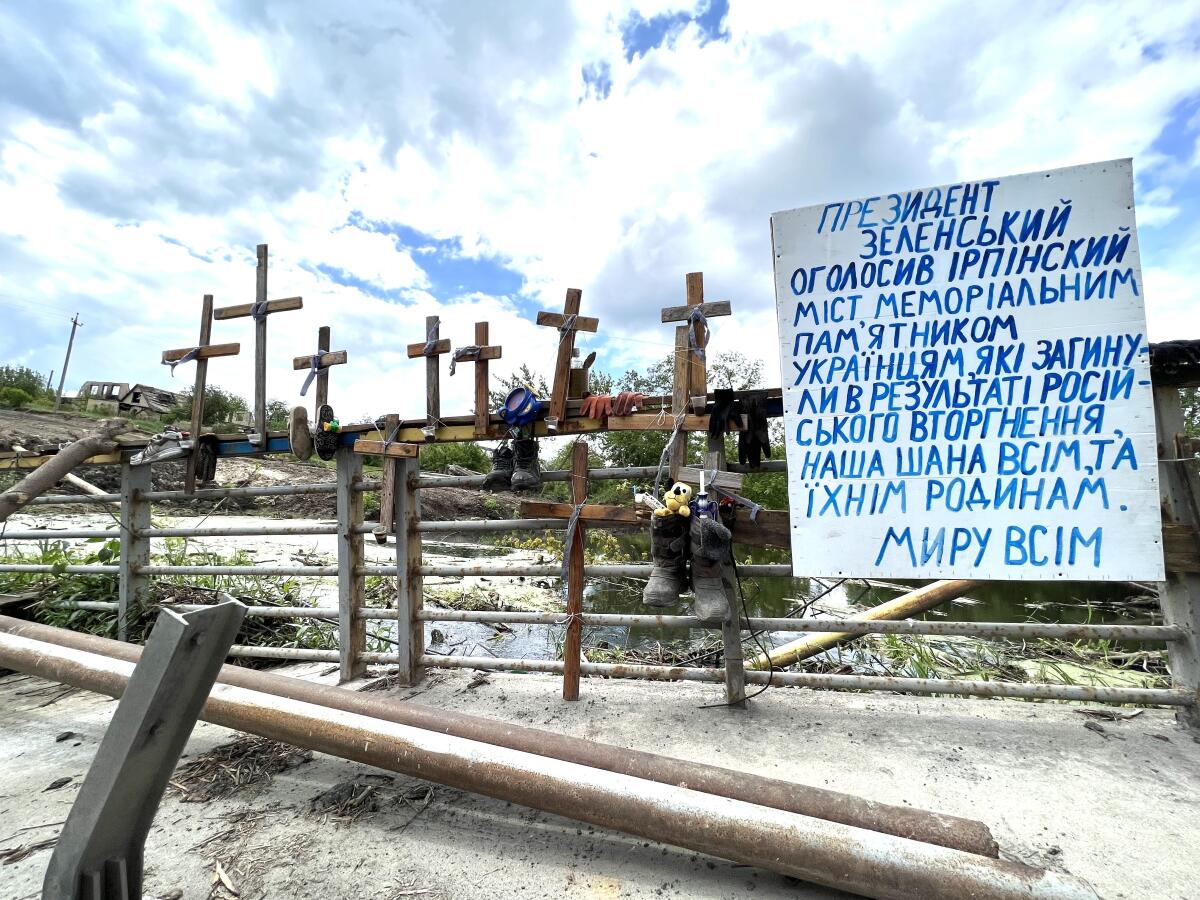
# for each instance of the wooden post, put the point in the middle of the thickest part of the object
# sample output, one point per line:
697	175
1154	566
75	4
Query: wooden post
480	353
352	634
731	631
259	310
410	630
698	369
133	587
680	399
202	353
387	493
431	348
324	359
568	322
189	485
1180	594
573	643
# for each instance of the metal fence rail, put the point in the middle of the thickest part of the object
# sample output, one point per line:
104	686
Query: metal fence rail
409	569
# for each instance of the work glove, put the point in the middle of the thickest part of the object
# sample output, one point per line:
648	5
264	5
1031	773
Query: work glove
626	402
754	442
596	406
725	415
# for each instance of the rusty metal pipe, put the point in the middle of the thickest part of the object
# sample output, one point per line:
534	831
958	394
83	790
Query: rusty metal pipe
841	856
968	835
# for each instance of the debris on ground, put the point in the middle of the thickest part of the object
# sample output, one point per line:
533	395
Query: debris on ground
347	801
10	855
226	769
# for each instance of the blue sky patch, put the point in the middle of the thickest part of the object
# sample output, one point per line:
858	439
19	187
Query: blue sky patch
451	273
597	80
640	35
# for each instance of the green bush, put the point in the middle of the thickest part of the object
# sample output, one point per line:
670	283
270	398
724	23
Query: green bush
26	379
12	397
438	457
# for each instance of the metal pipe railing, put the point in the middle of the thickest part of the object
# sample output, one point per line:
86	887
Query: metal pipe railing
1028	691
277	571
554	570
64	534
42	569
1013	630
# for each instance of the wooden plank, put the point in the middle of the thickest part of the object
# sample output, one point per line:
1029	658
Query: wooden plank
711	309
387	494
697	365
336	358
562	365
1181	549
410	584
541	509
655	422
393	450
133	588
433	385
259	438
212	350
189	480
573	643
322	397
557	320
352	628
730	481
482	398
679	398
241	310
415	351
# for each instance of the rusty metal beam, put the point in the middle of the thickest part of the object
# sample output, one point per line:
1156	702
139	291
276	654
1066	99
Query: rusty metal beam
968	835
852	859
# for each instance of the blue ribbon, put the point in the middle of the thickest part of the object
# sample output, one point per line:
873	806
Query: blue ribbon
314	363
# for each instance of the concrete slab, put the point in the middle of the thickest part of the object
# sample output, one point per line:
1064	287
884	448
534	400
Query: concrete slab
1119	807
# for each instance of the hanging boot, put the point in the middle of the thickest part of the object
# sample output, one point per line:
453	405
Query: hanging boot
710	541
299	435
500	478
668	550
326	438
527	472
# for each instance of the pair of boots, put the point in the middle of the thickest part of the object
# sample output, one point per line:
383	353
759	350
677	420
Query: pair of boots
672	540
303	440
515	468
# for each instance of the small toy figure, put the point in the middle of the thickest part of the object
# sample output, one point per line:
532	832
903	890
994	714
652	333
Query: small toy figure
677	498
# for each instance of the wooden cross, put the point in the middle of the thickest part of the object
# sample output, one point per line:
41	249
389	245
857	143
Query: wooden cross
479	353
260	309
319	364
431	348
568	322
201	353
691	368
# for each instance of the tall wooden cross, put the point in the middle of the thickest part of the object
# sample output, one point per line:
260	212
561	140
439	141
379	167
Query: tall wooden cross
479	353
318	367
259	310
431	348
691	365
568	322
201	353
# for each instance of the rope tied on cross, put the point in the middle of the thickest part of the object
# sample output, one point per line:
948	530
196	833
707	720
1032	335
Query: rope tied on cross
568	542
697	319
192	354
470	352
314	369
430	339
259	309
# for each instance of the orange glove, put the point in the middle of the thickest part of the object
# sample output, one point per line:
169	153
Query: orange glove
596	407
625	402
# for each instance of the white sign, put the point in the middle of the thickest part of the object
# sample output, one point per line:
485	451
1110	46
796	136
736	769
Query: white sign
966	382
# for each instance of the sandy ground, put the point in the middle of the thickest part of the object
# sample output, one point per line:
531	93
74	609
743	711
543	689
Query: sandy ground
1120	809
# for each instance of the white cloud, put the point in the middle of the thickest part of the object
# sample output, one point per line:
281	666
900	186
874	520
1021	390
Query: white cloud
122	131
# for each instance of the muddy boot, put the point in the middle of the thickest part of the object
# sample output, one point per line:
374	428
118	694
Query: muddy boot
527	472
668	549
710	542
500	478
299	435
326	438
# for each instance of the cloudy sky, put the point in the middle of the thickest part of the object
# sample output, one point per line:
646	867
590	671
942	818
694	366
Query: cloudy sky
477	159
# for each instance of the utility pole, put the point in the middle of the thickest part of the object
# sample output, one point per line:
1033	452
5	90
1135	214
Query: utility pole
75	323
